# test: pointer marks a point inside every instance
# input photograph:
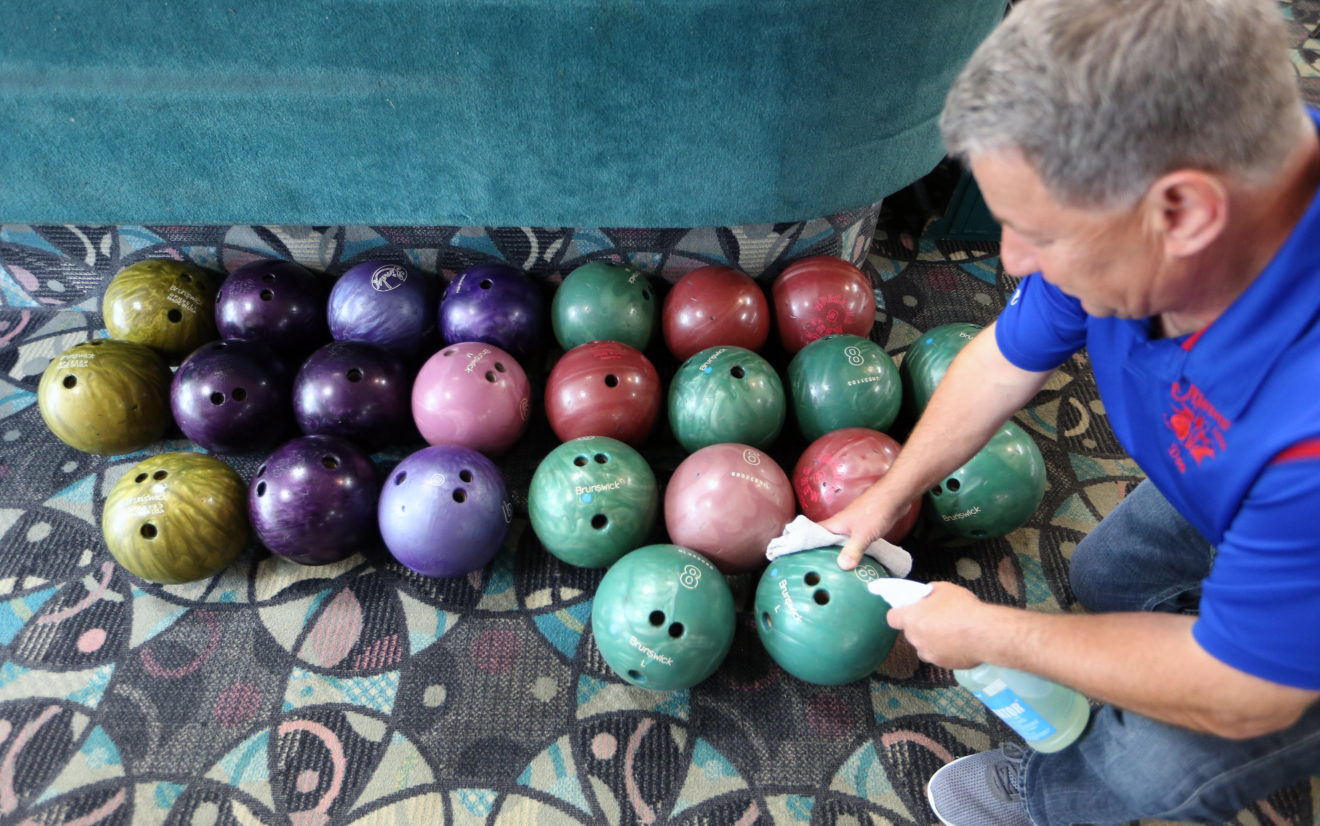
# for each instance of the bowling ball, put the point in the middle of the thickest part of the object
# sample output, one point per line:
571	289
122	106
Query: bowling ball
277	303
996	491
726	394
165	304
843	381
106	396
821	296
836	468
444	511
176	517
592	500
472	394
711	306
928	359
818	621
384	303
714	483
497	304
663	617
355	390
604	301
314	500
233	397
603	388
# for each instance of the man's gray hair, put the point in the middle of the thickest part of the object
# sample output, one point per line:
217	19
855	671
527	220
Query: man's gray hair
1102	97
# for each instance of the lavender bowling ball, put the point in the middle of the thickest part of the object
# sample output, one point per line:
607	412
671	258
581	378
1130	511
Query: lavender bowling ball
357	391
314	500
495	304
278	303
389	304
232	397
444	511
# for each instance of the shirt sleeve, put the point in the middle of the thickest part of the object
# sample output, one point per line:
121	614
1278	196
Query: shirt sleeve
1260	606
1041	327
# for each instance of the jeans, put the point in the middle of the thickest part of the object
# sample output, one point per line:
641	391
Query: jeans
1145	557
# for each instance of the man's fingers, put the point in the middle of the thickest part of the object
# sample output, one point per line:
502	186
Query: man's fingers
851	554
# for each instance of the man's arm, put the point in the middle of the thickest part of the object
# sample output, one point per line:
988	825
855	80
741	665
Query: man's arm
980	391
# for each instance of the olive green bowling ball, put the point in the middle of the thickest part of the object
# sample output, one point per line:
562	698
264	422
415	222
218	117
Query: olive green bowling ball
165	304
996	491
106	396
818	621
176	517
726	394
928	359
663	617
592	500
604	301
843	381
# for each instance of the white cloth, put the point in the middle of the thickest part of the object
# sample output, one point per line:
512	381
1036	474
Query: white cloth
804	535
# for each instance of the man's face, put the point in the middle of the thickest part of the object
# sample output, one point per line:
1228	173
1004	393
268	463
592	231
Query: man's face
1102	257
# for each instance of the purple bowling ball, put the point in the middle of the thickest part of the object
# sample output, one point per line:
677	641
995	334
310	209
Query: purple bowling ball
444	511
314	500
233	397
278	303
495	304
357	391
389	304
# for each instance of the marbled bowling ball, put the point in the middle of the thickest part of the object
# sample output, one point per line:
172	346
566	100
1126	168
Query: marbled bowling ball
278	303
726	394
836	468
176	517
496	304
385	303
727	502
233	397
927	360
821	296
818	621
314	500
106	396
444	511
355	390
996	491
472	394
843	381
710	306
603	388
165	304
663	617
592	500
604	301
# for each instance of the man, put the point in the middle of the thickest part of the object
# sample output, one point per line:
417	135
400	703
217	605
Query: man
1155	173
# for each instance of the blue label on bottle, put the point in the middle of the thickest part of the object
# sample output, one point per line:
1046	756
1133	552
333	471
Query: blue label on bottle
1010	708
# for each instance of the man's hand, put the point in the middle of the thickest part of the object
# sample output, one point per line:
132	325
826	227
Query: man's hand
863	522
945	626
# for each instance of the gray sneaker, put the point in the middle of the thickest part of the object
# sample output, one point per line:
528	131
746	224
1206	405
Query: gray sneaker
980	790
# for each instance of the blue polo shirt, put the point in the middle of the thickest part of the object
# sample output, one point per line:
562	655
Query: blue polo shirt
1226	423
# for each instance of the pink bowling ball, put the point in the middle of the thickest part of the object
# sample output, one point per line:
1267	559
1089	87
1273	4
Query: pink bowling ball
472	394
603	388
837	467
727	501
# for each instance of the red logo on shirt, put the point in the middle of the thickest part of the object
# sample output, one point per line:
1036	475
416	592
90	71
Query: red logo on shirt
1197	427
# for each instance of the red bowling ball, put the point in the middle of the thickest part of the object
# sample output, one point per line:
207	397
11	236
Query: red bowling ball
821	296
472	394
711	306
727	501
837	467
603	388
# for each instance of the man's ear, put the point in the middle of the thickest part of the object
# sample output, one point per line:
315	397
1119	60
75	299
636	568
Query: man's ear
1189	208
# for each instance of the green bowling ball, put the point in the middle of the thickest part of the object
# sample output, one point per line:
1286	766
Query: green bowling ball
604	301
592	500
818	621
998	489
928	359
843	381
176	517
726	394
106	396
663	617
165	304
